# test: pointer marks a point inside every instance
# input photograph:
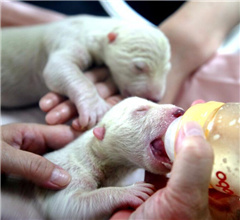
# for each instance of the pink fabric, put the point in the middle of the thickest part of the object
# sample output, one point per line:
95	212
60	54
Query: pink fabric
217	80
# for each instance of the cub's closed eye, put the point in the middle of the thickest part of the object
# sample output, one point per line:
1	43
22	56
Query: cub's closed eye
141	67
143	109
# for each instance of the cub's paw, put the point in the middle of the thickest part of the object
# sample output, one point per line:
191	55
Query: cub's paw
137	193
90	112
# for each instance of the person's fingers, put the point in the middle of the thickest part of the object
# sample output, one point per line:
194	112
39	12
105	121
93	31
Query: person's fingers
186	193
33	167
50	100
97	74
113	100
195	156
61	113
122	214
57	136
190	176
223	206
107	88
67	110
37	138
198	101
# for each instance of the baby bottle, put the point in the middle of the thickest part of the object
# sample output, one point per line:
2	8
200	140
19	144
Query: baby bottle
221	125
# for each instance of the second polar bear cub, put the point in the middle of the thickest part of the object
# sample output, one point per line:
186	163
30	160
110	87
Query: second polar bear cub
54	56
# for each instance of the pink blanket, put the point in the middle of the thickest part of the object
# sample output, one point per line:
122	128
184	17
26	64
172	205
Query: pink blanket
217	80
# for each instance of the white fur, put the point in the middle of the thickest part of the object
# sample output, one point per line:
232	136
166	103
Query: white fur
97	165
53	57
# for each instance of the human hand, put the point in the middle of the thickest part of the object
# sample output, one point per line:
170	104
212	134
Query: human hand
22	142
60	110
186	193
194	38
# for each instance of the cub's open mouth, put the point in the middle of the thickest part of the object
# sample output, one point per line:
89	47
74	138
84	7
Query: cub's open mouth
158	151
157	146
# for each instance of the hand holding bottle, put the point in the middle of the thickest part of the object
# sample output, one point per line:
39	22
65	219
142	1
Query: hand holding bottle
221	126
186	193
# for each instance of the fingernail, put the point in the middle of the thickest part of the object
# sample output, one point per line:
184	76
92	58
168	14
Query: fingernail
46	104
189	129
49	103
193	129
53	117
60	177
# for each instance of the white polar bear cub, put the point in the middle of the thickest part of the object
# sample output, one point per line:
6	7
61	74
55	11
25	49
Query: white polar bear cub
129	136
53	56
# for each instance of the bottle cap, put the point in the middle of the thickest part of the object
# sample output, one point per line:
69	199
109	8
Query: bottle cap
201	112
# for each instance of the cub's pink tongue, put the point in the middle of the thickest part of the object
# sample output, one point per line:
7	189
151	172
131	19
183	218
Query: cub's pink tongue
158	149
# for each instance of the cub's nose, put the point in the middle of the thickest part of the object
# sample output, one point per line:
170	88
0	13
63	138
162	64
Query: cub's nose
179	112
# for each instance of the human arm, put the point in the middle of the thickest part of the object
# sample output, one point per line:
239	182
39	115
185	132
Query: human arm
195	32
21	146
20	14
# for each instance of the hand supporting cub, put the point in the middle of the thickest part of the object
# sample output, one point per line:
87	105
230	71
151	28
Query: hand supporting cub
60	110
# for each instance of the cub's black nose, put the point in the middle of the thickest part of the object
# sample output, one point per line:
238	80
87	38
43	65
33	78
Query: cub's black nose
179	112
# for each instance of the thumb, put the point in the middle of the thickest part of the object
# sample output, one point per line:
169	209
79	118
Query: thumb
193	165
33	167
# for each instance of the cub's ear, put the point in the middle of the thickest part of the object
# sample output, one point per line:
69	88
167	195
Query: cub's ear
141	67
111	37
99	133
